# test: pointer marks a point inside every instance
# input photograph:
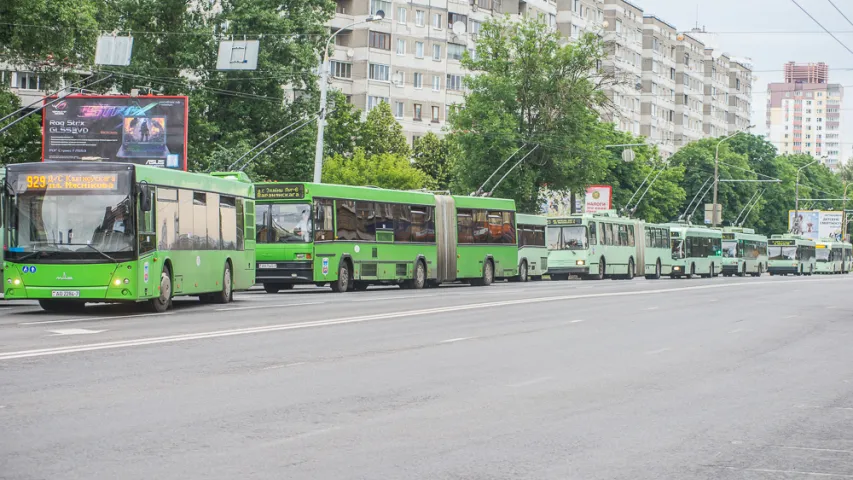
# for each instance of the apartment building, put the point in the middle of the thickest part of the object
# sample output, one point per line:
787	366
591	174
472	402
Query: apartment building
623	32
659	74
689	90
740	94
804	113
715	122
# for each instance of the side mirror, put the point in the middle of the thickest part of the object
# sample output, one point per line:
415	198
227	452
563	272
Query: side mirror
145	197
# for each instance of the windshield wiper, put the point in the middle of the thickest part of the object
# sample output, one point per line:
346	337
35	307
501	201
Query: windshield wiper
95	249
40	253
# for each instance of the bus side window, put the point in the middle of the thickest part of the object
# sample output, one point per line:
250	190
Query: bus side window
147	232
593	237
228	222
323	220
630	235
539	236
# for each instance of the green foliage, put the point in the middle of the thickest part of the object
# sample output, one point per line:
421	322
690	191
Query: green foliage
381	133
528	89
22	142
385	170
432	156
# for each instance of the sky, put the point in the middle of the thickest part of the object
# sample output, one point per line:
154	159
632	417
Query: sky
742	29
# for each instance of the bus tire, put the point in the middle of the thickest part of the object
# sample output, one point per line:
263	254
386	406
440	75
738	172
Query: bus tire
522	272
418	280
488	275
602	269
343	283
630	274
226	295
656	275
742	271
61	306
692	271
162	302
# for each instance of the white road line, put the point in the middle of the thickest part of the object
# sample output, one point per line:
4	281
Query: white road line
811	449
792	472
350	320
660	350
93	319
283	365
256	307
576	321
789	316
736	330
454	340
529	382
373	299
75	331
652	308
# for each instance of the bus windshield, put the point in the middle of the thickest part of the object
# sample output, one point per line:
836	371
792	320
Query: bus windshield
284	223
730	248
677	249
567	238
782	253
823	254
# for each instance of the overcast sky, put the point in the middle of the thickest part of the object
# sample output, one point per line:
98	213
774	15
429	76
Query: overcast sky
802	41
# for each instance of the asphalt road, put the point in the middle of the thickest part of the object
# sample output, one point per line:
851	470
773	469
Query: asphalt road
706	379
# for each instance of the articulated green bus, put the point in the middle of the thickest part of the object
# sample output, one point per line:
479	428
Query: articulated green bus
595	246
832	256
79	232
744	252
790	254
352	237
532	250
695	251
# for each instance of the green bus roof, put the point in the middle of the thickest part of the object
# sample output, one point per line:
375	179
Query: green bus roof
196	181
527	219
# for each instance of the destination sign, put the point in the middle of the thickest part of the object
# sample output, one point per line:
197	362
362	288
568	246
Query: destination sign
782	242
71	181
565	221
279	192
728	236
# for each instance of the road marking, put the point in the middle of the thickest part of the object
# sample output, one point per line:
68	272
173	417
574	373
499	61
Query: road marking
75	331
529	382
788	316
283	365
453	340
234	309
811	449
660	350
793	472
93	319
652	308
736	330
359	319
373	299
576	321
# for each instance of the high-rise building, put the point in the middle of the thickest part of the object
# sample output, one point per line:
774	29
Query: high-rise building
689	90
658	101
804	113
716	106
623	32
740	94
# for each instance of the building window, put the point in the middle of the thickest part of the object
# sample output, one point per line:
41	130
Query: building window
452	18
436	21
436	52
378	71
455	51
418	111
341	69
380	40
28	81
454	82
487	4
398	109
376	5
399	78
401	15
435	113
419	80
415	139
475	27
401	46
419	18
576	32
436	83
618	27
419	49
375	101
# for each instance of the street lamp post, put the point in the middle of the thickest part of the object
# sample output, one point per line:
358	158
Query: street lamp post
324	87
797	192
717	174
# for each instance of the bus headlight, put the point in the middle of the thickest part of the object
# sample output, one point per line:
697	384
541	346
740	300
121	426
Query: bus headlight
676	268
580	262
16	281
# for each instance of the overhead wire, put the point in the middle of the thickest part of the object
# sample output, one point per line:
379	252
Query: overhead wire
821	26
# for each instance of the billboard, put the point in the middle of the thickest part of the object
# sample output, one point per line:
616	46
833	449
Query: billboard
555	203
816	224
598	198
149	130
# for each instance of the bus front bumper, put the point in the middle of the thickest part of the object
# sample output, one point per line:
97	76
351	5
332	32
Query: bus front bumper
568	270
285	272
782	270
86	294
731	269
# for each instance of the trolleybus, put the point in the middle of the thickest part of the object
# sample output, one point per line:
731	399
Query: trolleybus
351	237
695	251
78	232
595	246
790	254
832	256
744	252
532	250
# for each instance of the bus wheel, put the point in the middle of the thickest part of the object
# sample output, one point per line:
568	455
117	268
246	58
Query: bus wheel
342	284
522	272
742	272
162	303
630	274
61	306
227	293
602	268
656	275
488	275
692	271
272	287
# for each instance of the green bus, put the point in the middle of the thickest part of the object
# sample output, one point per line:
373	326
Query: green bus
599	245
744	252
790	254
832	256
83	232
2	223
695	250
352	237
532	250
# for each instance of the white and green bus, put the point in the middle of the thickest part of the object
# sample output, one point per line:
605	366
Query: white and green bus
832	256
695	251
595	246
744	252
532	251
790	254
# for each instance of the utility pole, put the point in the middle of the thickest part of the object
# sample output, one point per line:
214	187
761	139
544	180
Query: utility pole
797	193
717	174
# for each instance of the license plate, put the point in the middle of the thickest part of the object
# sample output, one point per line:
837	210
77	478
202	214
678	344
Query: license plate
65	293
267	265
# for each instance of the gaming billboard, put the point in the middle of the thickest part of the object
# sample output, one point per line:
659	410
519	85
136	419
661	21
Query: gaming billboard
149	130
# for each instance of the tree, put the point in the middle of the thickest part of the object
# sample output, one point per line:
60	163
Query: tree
528	90
385	170
431	156
381	133
22	142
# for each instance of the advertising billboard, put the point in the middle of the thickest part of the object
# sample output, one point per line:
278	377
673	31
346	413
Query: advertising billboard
149	130
598	198
816	224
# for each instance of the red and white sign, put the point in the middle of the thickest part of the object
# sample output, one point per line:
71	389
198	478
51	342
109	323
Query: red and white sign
598	198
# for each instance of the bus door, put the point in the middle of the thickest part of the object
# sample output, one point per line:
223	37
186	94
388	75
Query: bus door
445	237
